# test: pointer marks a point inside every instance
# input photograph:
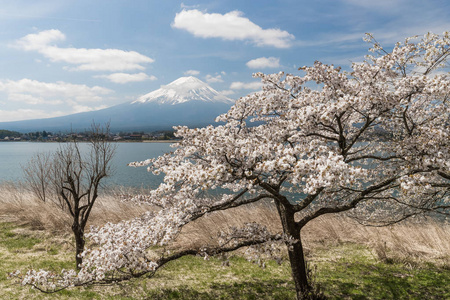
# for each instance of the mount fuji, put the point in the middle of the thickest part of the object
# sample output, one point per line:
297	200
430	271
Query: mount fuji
183	90
185	101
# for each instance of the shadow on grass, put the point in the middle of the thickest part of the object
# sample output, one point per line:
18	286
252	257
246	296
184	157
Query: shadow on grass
276	289
385	281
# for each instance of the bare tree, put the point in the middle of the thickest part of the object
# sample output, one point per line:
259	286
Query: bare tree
72	176
37	175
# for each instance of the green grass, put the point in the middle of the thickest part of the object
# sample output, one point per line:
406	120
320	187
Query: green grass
14	241
195	278
344	271
355	274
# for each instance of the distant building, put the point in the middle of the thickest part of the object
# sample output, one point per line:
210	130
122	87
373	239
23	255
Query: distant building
135	136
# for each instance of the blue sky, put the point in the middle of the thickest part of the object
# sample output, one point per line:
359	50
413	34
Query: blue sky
61	57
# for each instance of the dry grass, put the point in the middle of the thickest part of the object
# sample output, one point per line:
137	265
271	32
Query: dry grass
20	206
205	230
410	243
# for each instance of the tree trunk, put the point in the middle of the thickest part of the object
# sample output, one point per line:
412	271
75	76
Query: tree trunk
79	243
295	251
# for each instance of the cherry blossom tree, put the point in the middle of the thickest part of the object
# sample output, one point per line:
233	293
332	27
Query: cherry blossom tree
373	142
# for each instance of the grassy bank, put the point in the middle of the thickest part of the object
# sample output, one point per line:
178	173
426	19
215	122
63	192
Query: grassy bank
406	261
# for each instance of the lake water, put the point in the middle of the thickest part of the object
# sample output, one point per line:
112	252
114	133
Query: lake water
14	155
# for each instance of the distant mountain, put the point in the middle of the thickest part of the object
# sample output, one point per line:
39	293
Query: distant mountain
185	101
182	90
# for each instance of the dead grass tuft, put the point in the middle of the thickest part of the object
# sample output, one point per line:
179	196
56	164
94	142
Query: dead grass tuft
22	207
411	243
204	231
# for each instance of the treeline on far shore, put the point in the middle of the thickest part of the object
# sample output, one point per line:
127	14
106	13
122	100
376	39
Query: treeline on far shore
47	136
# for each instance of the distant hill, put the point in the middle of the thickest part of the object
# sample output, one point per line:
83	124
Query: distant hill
8	133
185	101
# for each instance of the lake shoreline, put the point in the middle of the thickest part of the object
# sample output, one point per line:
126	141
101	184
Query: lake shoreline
14	156
82	141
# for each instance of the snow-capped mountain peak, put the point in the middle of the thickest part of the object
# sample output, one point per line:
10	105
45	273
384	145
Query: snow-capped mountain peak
182	90
186	101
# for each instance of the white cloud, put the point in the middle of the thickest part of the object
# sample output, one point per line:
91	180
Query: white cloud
230	26
40	41
238	85
45	100
36	92
192	72
264	62
123	78
84	59
385	5
227	92
31	99
212	79
26	114
77	108
189	6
